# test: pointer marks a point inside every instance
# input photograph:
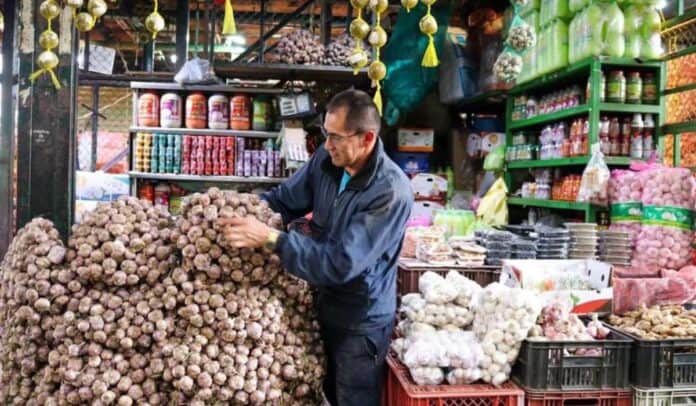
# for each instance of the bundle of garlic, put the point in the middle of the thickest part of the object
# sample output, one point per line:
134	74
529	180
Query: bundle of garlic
250	330
502	320
442	301
33	293
118	318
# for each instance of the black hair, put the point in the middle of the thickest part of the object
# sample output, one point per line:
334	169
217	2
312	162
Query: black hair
361	111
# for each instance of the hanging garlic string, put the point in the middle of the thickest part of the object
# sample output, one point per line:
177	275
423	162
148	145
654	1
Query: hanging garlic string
428	26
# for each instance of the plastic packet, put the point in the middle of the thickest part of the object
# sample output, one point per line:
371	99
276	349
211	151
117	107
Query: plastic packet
521	36
196	71
435	289
595	180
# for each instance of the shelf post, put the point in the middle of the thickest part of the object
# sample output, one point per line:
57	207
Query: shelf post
595	79
7	126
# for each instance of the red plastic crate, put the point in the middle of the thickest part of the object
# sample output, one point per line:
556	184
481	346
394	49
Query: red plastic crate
575	398
407	278
402	391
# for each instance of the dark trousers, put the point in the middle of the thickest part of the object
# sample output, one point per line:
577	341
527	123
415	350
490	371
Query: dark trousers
355	365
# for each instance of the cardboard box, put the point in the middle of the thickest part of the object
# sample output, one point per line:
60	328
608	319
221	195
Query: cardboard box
427	186
416	139
425	208
584	282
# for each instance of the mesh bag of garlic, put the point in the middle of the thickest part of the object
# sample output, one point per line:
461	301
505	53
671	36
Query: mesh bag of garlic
141	310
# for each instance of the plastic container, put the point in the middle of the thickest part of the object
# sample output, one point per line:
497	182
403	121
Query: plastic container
407	277
196	115
595	398
616	87
171	111
261	113
649	92
240	112
548	365
148	110
634	88
663	397
663	363
402	391
218	112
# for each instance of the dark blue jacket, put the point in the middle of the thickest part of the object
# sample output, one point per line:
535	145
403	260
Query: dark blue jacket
357	236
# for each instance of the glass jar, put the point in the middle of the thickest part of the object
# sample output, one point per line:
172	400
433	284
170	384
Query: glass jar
634	88
616	87
649	93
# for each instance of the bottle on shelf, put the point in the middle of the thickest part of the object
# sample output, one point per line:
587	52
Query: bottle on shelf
649	93
615	137
602	88
648	133
634	88
148	109
637	136
616	87
240	112
218	112
626	137
162	194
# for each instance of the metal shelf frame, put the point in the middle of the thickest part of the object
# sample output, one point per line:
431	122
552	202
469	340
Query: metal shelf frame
589	69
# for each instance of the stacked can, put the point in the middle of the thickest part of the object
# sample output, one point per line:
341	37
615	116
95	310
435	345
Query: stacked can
154	166
208	151
215	153
176	168
186	154
143	146
229	150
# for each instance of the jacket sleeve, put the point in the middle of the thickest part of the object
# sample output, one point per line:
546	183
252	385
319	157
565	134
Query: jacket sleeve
341	258
293	198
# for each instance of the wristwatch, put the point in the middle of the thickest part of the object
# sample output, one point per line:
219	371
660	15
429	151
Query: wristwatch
272	240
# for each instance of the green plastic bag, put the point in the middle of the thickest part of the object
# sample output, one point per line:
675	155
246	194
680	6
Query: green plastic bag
407	82
495	159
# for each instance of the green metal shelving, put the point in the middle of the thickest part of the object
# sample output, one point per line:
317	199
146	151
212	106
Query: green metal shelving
593	109
576	160
590	210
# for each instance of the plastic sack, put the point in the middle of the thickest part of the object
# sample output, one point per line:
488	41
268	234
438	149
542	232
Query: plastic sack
667	220
196	71
435	289
407	82
427	376
458	74
495	160
625	211
595	180
492	210
553	9
631	293
491	47
467	290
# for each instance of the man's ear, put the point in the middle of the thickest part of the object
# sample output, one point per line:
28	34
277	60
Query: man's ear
369	137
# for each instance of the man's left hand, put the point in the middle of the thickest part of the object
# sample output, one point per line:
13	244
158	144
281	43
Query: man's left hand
245	232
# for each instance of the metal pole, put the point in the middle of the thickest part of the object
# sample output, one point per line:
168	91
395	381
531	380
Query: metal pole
182	32
262	30
95	126
211	32
149	56
325	22
85	62
7	129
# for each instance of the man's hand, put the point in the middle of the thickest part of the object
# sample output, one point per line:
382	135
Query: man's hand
245	232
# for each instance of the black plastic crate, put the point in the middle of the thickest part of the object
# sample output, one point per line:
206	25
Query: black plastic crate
663	363
548	365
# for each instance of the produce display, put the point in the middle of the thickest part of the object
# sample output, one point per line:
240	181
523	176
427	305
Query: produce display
118	317
657	322
300	47
666	227
339	51
625	193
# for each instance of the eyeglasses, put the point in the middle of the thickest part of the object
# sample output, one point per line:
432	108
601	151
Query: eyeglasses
336	138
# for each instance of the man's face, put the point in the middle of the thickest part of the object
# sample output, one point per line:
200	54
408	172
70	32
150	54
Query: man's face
344	146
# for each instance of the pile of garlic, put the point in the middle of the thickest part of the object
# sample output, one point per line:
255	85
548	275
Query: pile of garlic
434	345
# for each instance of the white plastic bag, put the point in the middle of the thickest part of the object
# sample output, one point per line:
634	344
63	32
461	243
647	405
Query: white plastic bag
435	289
195	71
427	376
595	180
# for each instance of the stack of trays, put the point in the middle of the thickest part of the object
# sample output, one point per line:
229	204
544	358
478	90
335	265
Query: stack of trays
467	252
584	239
524	248
615	247
552	243
497	244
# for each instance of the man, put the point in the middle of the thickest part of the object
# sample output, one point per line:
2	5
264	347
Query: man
360	201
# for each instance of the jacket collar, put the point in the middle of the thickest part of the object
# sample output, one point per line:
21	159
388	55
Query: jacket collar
366	174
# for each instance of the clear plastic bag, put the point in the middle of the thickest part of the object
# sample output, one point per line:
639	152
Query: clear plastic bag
595	180
196	71
435	289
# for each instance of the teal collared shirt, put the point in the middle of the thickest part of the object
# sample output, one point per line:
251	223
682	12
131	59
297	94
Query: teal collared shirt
344	182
